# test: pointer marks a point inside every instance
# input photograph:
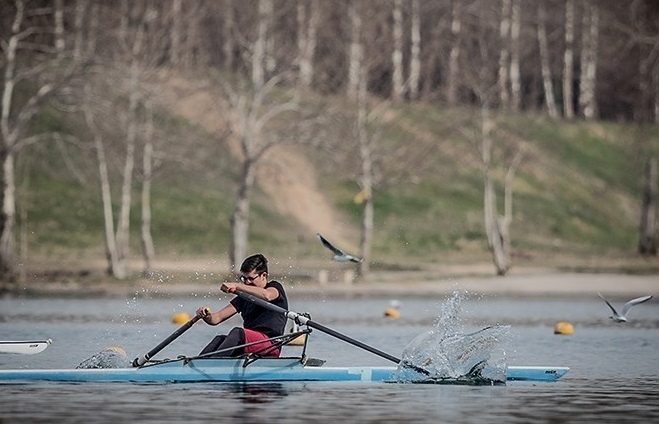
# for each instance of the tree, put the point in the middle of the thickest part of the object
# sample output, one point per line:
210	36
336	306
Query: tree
248	112
545	62
308	14
31	61
589	54
647	245
568	61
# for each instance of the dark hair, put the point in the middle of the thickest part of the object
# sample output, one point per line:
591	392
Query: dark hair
256	263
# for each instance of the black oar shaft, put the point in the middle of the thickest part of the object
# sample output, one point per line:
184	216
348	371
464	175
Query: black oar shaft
290	314
141	360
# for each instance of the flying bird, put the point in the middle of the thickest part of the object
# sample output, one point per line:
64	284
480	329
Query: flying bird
339	255
622	316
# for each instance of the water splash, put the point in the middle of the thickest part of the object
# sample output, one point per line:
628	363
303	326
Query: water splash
445	354
110	357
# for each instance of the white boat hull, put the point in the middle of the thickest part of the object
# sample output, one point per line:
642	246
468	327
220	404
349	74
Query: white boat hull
24	347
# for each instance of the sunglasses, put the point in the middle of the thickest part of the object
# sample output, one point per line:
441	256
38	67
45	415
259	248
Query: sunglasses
244	279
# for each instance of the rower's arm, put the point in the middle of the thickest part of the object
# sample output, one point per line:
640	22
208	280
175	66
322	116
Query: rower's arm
220	316
265	293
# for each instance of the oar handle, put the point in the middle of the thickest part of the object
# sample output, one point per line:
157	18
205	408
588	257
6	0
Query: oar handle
303	320
141	360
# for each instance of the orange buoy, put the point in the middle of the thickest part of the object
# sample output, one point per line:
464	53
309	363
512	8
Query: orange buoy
180	318
563	328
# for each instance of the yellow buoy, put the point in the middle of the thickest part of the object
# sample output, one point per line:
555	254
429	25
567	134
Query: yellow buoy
563	328
180	318
392	313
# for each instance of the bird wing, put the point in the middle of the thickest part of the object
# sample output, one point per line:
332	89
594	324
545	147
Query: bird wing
328	245
607	302
627	306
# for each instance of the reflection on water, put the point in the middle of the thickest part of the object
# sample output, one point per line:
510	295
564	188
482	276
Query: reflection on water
614	375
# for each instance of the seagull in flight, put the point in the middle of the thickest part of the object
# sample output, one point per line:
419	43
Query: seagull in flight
339	255
621	317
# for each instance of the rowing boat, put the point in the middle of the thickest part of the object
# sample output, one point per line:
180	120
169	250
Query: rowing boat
24	347
258	367
240	370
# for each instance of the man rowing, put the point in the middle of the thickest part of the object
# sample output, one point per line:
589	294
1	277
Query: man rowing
259	324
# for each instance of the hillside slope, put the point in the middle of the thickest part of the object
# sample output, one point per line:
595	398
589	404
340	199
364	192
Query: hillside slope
284	173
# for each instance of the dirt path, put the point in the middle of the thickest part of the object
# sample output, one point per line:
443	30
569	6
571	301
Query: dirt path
284	174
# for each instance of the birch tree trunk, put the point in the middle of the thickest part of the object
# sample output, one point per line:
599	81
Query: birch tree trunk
13	124
587	98
7	266
59	26
545	62
495	233
78	29
116	267
248	116
655	85
504	55
261	43
647	245
415	53
398	83
568	61
175	34
228	44
148	248
307	30
365	179
454	56
240	216
355	59
515	73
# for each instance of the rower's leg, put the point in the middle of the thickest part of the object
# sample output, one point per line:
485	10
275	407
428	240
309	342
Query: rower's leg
213	345
236	337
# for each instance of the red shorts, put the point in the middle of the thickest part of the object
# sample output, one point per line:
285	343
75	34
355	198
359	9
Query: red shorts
252	336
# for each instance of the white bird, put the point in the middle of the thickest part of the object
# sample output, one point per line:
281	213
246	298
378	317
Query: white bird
622	316
339	255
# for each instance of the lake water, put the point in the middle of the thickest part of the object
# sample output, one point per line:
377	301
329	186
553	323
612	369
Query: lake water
614	374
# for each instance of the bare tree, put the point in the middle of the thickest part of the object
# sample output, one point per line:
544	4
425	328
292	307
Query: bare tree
568	60
504	55
356	49
308	13
261	45
48	72
545	62
248	113
647	245
589	50
398	91
453	70
415	52
515	46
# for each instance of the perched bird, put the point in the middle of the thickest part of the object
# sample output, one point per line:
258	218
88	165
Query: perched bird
339	256
621	317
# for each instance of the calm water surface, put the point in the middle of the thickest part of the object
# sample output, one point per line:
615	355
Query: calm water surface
614	374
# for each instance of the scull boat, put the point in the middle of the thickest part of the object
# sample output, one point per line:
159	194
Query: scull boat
260	368
239	370
24	347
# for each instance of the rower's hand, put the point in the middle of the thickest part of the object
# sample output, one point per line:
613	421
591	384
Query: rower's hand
204	312
229	287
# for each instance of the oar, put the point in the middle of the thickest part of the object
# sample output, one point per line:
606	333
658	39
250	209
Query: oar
141	360
303	320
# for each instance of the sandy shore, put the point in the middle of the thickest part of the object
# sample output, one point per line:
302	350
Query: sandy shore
531	284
